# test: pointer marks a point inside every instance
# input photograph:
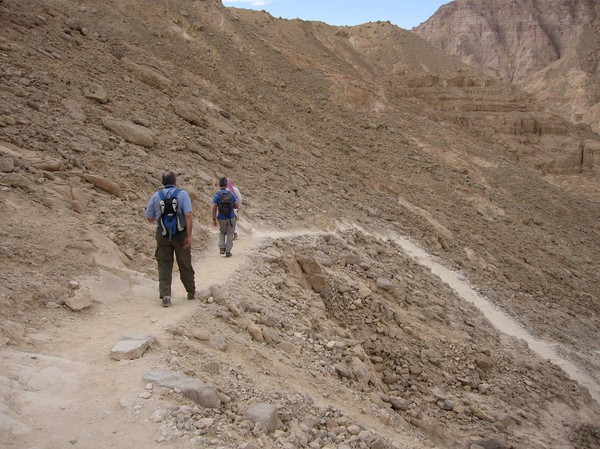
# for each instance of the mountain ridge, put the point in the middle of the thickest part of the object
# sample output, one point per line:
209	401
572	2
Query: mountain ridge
547	48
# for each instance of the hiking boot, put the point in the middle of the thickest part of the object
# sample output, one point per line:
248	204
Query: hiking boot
228	254
221	250
191	295
166	301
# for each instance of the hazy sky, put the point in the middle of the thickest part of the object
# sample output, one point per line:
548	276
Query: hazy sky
404	13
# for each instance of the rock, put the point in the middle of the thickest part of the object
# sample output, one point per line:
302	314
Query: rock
158	415
432	356
7	165
361	371
318	282
298	437
204	423
385	284
279	141
96	92
211	367
80	301
12	330
235	312
104	184
132	347
255	332
47	165
218	342
198	334
205	177
433	428
249	445
342	370
354	429
484	362
268	335
219	294
308	264
313	270
74	23
399	403
203	394
263	414
147	75
203	294
289	348
349	259
189	113
491	444
129	131
79	203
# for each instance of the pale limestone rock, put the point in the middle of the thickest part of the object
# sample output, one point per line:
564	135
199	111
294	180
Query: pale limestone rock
263	414
203	394
255	332
104	184
147	75
129	131
96	92
189	113
80	301
132	347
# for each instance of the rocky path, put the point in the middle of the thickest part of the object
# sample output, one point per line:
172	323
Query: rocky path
71	390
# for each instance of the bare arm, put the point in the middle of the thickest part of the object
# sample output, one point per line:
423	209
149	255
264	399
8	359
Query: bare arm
188	231
214	214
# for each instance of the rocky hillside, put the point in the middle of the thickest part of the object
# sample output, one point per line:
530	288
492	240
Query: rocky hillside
548	48
345	141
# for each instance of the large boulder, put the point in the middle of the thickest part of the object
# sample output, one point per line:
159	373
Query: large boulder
129	131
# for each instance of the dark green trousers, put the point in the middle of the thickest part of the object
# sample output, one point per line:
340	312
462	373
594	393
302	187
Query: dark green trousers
165	249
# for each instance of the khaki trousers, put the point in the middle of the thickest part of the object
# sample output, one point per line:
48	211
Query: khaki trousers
165	249
226	228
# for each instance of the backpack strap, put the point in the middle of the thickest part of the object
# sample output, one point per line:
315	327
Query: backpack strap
162	193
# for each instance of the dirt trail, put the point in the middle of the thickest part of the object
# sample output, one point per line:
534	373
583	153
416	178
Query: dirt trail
499	319
70	391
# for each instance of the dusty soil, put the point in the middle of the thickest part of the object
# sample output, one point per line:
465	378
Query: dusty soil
387	189
70	390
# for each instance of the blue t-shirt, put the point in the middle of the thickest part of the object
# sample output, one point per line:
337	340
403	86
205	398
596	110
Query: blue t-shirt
153	207
216	201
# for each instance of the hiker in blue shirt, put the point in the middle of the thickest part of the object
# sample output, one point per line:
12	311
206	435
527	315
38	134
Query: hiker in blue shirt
171	209
223	213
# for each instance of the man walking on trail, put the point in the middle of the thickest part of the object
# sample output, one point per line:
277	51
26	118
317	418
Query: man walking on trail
171	209
223	212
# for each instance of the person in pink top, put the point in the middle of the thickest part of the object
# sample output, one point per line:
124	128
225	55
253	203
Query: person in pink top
233	189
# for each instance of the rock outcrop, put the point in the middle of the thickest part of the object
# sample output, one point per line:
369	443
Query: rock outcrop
550	48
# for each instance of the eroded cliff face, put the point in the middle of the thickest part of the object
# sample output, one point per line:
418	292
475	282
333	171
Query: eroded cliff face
550	48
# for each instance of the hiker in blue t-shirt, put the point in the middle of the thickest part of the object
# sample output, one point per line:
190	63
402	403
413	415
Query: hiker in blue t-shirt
172	239
223	213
